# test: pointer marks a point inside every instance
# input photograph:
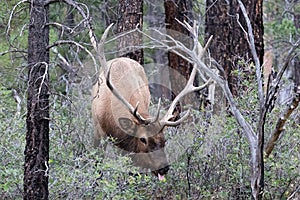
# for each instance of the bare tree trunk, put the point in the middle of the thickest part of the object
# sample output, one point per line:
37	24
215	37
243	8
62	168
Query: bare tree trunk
37	136
230	46
296	67
159	82
130	17
180	69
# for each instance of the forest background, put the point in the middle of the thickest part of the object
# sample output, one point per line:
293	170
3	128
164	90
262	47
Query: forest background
214	166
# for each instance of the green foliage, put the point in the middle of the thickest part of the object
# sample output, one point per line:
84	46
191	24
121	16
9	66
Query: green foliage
13	40
215	165
280	22
281	29
11	146
281	168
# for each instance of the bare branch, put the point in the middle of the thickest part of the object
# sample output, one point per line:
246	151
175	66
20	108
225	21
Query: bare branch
254	54
11	15
100	48
18	100
250	134
12	51
193	57
294	193
62	26
62	42
275	84
47	2
84	12
65	65
205	47
281	123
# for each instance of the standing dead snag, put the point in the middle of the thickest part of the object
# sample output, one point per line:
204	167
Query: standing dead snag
37	136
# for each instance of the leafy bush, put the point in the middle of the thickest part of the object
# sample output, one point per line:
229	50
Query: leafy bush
214	165
12	130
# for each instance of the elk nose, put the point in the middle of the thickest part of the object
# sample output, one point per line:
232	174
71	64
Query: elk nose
163	170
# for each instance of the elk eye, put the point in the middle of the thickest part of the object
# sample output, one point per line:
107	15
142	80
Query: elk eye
143	140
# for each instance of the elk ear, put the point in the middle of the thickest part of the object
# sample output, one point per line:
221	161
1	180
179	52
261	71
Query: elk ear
127	125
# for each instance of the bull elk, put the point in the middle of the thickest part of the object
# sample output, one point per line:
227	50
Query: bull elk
120	110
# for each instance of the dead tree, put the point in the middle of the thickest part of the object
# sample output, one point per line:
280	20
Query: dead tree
37	136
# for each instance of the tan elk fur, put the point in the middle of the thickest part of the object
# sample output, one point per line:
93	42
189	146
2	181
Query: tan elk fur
130	80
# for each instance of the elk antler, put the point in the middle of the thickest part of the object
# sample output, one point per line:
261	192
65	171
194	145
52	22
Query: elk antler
100	49
189	86
187	89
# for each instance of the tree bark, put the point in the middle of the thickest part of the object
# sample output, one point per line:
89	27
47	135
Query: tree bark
230	46
159	83
296	67
130	17
180	69
37	136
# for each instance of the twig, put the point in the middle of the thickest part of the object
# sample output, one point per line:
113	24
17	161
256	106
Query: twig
62	42
295	192
62	26
65	65
18	100
11	15
12	51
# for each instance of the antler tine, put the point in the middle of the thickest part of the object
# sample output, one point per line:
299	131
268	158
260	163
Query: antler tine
189	86
131	109
187	89
100	49
157	112
136	108
178	122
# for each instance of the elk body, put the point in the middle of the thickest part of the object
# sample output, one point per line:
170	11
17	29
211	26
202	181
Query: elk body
120	110
131	133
